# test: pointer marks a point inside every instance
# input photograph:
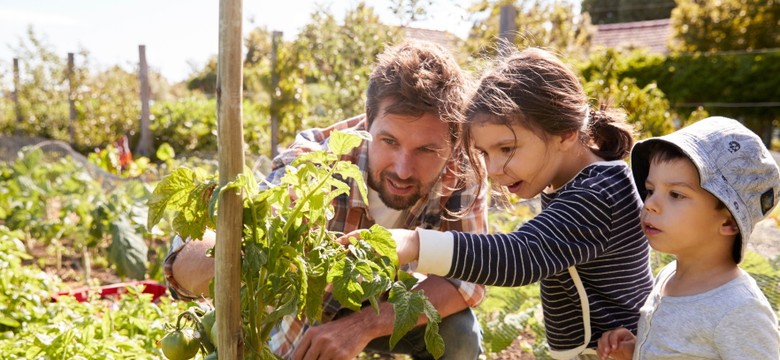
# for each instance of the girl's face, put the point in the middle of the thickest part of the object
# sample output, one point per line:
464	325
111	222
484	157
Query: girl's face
517	158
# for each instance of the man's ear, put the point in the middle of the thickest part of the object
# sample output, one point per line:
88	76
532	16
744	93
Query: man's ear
729	227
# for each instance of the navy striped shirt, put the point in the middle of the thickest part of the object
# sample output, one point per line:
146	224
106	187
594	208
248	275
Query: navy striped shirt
591	223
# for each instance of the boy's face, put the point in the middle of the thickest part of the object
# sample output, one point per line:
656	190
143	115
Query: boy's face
406	157
681	218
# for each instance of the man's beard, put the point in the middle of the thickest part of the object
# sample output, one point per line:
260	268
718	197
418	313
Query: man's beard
394	201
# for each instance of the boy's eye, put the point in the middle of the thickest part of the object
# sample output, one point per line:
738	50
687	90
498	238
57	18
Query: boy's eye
647	193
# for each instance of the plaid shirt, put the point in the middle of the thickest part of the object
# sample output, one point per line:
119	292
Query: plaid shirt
351	213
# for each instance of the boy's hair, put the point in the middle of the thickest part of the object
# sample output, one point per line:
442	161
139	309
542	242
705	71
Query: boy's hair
421	77
733	165
663	152
535	89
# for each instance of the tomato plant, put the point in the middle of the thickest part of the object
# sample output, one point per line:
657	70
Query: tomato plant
288	254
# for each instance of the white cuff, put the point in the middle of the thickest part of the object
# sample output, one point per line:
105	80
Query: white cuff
436	250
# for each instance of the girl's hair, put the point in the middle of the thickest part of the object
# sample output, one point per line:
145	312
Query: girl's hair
535	89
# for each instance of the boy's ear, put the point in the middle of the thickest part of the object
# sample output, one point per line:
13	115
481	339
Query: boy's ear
729	227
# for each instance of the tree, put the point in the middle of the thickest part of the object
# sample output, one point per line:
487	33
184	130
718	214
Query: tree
337	60
43	93
548	24
725	25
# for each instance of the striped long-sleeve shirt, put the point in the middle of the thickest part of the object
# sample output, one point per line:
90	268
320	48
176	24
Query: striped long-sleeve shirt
592	224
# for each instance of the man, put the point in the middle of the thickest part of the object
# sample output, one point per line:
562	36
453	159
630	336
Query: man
417	176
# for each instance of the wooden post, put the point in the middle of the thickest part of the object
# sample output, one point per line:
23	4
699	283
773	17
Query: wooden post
507	29
277	35
71	100
18	107
145	144
230	135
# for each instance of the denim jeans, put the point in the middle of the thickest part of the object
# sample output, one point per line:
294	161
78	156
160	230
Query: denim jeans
461	333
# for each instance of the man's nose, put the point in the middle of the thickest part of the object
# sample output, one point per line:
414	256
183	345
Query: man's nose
404	165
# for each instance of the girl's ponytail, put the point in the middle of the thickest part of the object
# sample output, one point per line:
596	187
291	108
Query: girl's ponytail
610	135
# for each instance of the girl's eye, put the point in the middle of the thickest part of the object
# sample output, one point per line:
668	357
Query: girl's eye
506	150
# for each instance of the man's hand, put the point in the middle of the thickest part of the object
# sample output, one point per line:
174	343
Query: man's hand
192	269
407	243
617	344
343	338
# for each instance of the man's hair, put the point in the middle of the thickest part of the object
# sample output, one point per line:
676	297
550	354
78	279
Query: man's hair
420	77
663	152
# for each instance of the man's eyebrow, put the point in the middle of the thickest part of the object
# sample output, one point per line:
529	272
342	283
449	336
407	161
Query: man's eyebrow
433	146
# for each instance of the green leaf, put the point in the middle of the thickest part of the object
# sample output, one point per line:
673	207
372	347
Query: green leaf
342	142
165	152
434	343
407	307
346	288
171	191
128	250
382	242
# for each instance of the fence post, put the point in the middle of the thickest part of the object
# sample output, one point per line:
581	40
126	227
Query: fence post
71	100
18	107
230	136
145	144
277	35
507	28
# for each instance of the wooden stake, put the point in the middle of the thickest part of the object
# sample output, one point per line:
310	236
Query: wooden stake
231	163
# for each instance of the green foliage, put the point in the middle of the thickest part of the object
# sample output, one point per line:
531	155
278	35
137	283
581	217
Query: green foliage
189	126
337	60
646	105
553	25
67	329
724	25
288	255
54	200
42	93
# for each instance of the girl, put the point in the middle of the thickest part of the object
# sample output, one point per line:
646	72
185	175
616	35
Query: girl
531	124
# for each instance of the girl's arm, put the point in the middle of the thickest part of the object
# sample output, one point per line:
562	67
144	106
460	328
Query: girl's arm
574	228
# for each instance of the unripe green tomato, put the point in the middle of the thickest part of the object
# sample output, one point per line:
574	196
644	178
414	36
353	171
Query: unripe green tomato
180	345
214	335
208	320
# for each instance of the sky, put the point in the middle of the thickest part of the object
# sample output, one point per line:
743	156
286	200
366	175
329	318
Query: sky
179	35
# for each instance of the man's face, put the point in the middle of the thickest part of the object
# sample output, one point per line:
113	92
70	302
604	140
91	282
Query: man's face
406	157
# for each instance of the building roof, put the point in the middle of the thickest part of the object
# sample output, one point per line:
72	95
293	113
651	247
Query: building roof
651	34
440	37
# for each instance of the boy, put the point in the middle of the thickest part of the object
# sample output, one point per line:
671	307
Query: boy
705	186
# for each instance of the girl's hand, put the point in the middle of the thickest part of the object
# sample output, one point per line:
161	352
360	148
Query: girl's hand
617	344
407	243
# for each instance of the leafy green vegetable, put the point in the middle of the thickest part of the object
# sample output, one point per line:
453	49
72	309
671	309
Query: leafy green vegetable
288	255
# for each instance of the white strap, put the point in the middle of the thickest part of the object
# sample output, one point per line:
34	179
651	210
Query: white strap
572	353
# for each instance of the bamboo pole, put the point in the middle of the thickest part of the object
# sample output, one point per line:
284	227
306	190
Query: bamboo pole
231	163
